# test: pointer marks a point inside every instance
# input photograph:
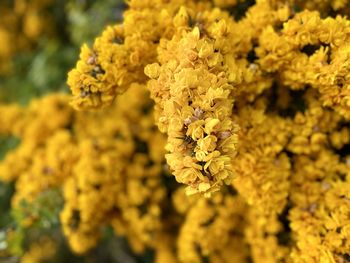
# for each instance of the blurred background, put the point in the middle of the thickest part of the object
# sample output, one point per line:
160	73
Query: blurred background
39	43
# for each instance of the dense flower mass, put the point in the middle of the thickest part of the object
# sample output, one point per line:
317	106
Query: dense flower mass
203	131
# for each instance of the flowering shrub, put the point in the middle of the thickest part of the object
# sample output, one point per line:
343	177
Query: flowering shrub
200	131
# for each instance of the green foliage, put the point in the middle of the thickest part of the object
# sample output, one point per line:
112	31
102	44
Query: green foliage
44	211
43	215
7	143
6	191
87	18
38	72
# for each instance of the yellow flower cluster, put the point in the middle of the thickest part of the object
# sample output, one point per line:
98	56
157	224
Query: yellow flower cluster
324	6
262	168
42	137
261	103
40	251
116	180
256	115
119	55
193	83
311	51
22	22
194	109
107	163
213	229
319	215
292	203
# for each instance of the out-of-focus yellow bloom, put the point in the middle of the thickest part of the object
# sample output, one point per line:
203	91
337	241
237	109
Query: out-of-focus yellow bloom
311	51
108	164
41	251
22	23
